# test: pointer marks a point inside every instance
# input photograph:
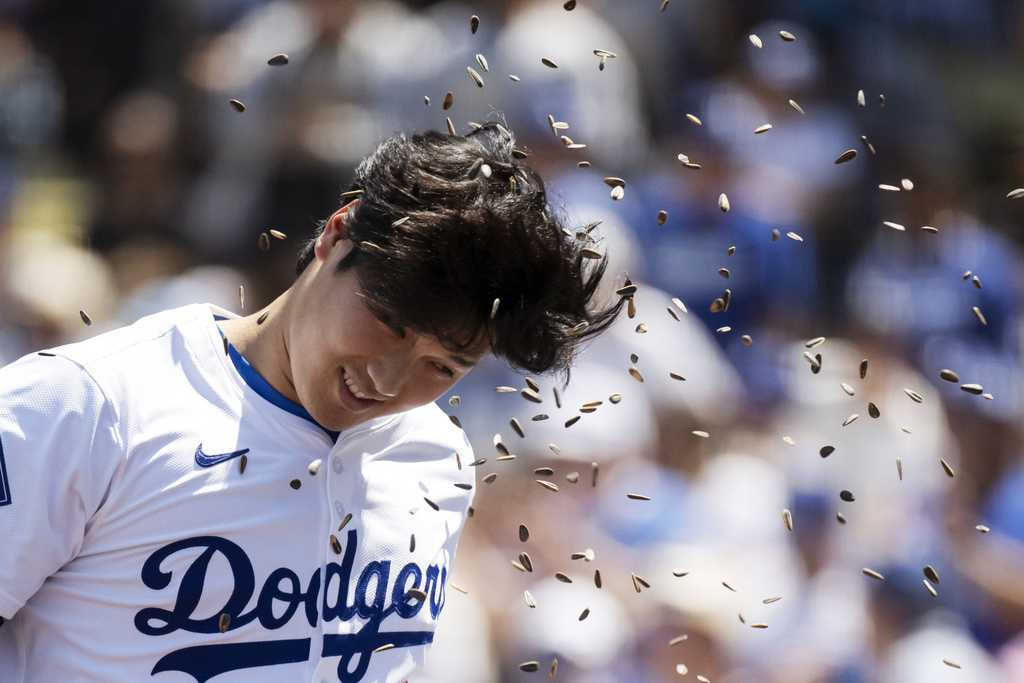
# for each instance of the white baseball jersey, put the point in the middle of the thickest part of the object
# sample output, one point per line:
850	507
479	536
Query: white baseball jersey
134	547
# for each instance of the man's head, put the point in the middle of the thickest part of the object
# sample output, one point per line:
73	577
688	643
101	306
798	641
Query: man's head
396	291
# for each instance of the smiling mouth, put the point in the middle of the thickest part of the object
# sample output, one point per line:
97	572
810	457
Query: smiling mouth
357	392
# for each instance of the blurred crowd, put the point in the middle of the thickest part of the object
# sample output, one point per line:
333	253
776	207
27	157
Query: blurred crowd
128	184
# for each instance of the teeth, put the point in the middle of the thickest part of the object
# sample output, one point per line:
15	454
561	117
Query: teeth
355	390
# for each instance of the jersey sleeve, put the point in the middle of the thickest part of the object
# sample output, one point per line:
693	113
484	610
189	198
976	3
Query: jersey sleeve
59	448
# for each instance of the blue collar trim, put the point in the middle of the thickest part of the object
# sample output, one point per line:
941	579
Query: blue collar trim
261	386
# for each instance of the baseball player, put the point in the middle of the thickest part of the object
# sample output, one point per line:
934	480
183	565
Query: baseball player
200	496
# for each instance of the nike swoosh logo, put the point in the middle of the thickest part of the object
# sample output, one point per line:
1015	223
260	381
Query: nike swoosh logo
204	460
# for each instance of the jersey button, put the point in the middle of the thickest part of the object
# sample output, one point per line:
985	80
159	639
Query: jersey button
336	464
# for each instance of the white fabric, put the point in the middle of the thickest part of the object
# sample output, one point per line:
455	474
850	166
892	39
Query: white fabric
119	552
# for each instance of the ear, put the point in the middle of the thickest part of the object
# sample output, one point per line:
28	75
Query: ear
336	231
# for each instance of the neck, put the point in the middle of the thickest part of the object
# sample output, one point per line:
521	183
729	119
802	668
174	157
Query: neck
265	345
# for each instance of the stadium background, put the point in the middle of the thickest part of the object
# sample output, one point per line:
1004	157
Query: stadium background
128	185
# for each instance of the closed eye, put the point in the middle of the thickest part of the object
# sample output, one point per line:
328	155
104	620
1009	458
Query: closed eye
443	369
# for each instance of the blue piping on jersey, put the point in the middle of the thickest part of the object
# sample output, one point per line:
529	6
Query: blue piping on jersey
261	386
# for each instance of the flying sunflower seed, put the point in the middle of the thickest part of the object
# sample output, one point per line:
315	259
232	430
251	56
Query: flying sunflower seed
826	451
756	40
617	193
979	315
1015	194
280	59
907	184
548	63
894	226
975	389
794	236
930	588
237	105
529	667
474	76
787	519
947	468
335	545
840	518
694	120
547	484
85	317
914	396
662	217
747	340
846	156
847	388
864	369
295	484
678	639
701	433
796	105
951	663
949	376
664	5
851	419
723	202
345	521
861	101
482	61
899	468
242	462
637	496
224	623
982	528
846	496
872	573
888	188
263	242
564	578
787	36
873	410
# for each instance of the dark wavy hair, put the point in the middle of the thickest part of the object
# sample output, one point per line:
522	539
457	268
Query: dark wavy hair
449	223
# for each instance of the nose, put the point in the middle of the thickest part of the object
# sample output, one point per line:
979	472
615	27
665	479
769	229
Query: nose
388	374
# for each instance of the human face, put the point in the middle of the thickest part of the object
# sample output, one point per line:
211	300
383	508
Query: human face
348	365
